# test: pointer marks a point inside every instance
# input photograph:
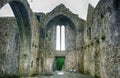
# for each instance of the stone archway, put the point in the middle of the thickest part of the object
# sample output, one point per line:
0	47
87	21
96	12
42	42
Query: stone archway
69	42
49	21
23	14
63	20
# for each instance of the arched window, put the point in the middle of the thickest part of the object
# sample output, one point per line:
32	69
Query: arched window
60	37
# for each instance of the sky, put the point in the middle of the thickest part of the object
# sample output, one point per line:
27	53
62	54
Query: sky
79	7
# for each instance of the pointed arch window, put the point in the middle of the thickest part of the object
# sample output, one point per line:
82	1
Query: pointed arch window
60	37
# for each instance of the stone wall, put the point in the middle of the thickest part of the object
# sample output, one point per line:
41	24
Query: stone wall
28	30
35	42
9	47
10	53
73	38
50	47
101	37
19	46
92	46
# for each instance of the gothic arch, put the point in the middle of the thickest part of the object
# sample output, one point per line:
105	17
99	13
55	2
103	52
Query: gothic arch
61	10
22	14
60	20
23	17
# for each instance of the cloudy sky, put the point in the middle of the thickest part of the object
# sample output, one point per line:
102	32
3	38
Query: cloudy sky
79	7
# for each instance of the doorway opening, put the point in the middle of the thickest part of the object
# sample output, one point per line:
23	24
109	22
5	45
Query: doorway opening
60	63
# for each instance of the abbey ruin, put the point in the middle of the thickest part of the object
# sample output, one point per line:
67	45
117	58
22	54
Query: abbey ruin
28	41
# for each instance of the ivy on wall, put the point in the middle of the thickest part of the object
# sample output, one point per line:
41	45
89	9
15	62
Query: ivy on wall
60	61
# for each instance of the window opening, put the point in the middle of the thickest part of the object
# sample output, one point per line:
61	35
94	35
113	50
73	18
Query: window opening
60	37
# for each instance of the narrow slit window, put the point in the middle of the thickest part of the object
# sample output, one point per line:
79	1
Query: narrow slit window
58	37
62	37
